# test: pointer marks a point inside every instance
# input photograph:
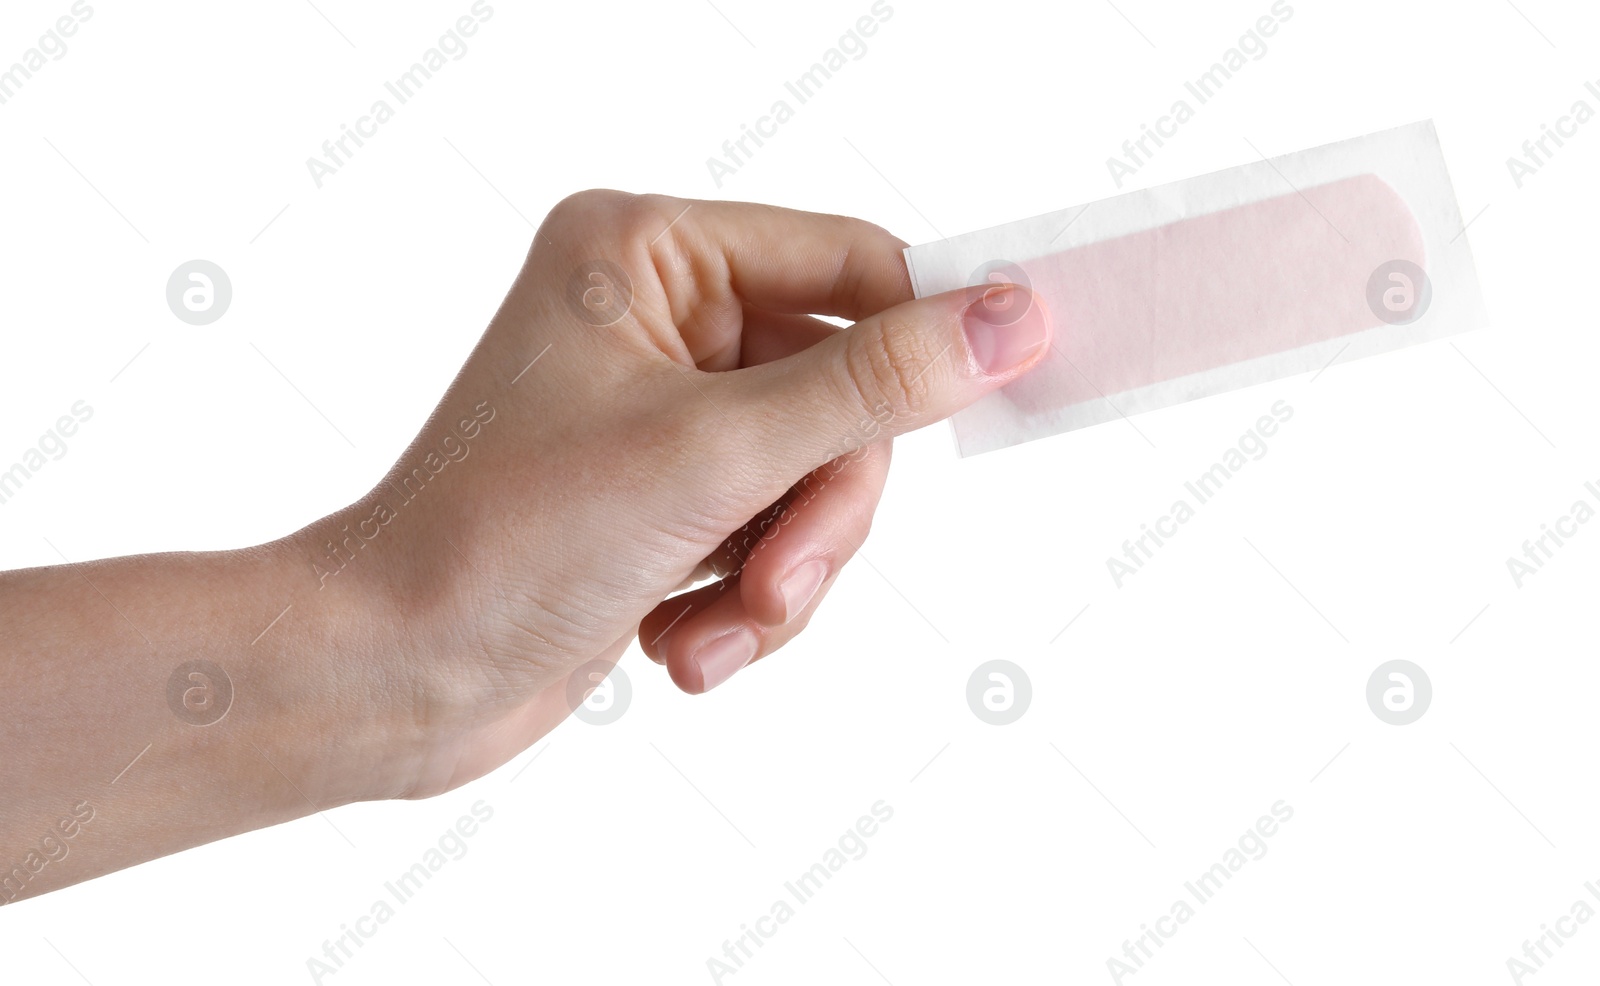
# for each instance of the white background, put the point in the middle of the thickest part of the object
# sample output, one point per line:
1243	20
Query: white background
1173	711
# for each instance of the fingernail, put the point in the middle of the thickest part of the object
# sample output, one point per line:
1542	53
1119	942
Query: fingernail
800	585
720	658
1005	327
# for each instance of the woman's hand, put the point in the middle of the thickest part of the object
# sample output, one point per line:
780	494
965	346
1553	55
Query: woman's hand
654	404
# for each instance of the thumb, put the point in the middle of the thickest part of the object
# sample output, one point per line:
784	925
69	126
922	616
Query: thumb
891	373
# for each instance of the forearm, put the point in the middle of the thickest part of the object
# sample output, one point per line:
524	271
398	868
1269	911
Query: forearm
154	703
114	753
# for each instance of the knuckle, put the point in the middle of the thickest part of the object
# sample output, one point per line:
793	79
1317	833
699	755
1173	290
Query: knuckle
622	215
886	367
574	219
645	215
581	208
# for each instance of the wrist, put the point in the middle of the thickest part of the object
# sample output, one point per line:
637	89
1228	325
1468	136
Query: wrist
343	675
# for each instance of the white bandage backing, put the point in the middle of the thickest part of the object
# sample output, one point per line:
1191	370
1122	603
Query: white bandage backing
1219	282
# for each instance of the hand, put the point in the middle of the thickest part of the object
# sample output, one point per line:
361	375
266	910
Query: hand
622	437
619	433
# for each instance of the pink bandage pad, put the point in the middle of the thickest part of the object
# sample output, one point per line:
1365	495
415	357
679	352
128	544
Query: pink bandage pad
1216	289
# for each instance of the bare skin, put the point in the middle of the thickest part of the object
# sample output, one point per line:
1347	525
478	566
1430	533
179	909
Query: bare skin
592	459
